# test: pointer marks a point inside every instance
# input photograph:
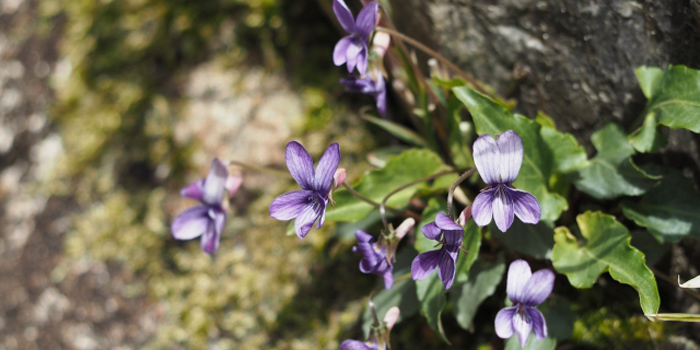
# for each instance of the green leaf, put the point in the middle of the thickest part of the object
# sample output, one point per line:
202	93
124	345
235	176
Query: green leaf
611	172
674	101
532	343
647	138
472	243
491	118
483	279
560	318
409	166
607	248
669	210
431	294
534	240
457	140
398	130
401	294
568	154
649	78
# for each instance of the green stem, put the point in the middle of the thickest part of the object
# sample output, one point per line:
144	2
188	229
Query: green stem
437	56
450	193
259	168
404	214
382	210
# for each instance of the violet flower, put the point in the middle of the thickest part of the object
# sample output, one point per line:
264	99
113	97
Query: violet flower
352	49
525	290
375	88
378	334
374	260
450	235
206	220
352	344
498	163
309	204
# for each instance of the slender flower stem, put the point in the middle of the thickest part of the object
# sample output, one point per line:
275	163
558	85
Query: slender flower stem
670	280
450	194
382	210
259	168
437	56
404	214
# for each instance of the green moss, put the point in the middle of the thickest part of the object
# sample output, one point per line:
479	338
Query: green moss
607	330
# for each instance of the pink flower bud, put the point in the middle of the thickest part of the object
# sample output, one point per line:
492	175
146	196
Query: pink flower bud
339	177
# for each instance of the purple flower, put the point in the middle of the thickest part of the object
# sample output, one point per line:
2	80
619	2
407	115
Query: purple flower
206	220
376	88
310	203
498	164
525	290
374	260
450	235
352	344
352	49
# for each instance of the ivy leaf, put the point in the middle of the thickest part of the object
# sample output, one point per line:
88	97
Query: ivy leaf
607	248
491	118
611	172
408	166
483	279
398	130
534	240
471	243
674	101
568	155
669	210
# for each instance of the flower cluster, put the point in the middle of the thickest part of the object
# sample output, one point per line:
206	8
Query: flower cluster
353	51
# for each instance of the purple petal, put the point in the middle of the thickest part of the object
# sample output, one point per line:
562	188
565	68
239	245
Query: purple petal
362	59
504	322
445	223
352	344
446	269
522	323
212	236
326	168
526	206
539	325
487	158
340	52
511	148
300	164
322	216
453	238
289	205
344	15
380	96
306	219
194	190
363	237
388	278
215	183
518	274
538	287
353	53
367	20
503	208
482	208
424	264
191	223
431	230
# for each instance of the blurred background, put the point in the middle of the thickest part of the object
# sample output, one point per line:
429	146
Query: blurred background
108	108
